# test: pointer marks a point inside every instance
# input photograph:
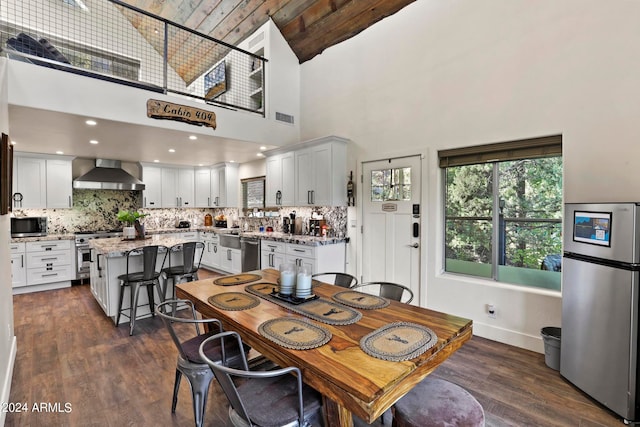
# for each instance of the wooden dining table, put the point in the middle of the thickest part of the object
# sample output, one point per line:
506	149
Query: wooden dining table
351	381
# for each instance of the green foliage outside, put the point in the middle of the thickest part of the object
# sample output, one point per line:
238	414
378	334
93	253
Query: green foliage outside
530	192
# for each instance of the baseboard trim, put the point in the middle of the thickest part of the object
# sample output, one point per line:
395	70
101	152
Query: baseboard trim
6	386
506	336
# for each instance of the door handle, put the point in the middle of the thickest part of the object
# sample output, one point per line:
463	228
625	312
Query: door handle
415	245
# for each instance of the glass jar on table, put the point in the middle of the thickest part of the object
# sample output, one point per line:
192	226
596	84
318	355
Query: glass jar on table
287	278
303	282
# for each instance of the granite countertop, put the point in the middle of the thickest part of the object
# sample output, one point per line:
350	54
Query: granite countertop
46	238
116	246
299	239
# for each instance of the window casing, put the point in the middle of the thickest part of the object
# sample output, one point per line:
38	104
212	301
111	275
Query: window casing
503	215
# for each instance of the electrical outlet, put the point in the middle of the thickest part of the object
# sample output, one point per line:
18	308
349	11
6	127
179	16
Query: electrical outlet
491	311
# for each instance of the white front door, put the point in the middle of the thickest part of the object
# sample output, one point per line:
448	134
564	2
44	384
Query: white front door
391	222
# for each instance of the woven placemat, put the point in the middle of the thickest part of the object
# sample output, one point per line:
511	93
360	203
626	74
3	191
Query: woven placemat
360	300
320	309
297	334
238	279
398	341
233	301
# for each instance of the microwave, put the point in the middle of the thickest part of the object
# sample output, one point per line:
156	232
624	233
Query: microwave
29	226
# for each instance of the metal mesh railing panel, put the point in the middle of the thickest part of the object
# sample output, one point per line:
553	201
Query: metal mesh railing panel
110	40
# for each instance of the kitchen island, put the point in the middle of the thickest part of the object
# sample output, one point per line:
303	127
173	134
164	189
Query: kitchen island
108	261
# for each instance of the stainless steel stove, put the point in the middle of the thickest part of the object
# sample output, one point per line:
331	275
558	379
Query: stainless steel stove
83	251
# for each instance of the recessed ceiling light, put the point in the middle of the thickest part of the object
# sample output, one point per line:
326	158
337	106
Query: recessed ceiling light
93	141
59	152
171	150
13	142
232	161
200	165
263	148
91	122
260	155
193	137
156	161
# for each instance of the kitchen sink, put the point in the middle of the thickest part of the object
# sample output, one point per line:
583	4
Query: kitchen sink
231	241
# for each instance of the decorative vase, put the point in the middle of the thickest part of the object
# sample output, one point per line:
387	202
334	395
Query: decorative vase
128	233
139	229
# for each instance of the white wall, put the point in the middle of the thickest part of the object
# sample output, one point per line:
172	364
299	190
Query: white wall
450	73
7	338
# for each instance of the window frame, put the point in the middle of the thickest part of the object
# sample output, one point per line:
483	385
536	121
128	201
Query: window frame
494	154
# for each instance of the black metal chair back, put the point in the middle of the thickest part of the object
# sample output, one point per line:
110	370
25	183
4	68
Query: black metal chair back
389	290
343	280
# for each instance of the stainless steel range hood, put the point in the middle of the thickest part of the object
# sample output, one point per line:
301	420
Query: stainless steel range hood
108	175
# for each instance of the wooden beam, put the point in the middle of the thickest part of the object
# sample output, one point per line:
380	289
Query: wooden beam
317	11
342	25
290	11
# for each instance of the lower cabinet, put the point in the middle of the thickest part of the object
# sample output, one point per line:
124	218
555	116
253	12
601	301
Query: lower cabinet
41	265
18	265
230	260
318	259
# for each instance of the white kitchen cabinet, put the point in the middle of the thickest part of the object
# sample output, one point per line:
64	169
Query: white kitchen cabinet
43	182
98	281
59	183
321	174
318	259
272	254
225	185
152	194
18	265
211	256
280	180
30	180
202	188
230	260
177	188
49	262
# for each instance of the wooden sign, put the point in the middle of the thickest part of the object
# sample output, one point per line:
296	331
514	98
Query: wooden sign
168	111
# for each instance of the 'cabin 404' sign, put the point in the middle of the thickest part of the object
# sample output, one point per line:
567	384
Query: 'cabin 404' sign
168	111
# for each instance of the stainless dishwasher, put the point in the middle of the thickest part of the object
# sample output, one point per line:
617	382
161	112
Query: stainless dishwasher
250	248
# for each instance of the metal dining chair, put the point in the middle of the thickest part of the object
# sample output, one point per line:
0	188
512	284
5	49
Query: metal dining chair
344	280
190	363
264	398
149	277
191	256
389	290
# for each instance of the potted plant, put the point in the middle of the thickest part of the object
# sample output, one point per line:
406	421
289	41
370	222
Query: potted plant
131	218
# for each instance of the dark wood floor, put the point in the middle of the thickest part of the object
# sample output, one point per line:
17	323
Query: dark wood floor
70	353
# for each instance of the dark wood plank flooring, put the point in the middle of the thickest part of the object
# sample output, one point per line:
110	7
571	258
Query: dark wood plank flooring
70	352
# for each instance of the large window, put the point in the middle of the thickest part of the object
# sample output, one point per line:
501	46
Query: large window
503	207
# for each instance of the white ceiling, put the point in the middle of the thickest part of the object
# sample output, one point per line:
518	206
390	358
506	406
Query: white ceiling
42	131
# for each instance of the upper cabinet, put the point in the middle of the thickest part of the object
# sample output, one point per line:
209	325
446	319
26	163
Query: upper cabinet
314	172
177	187
171	187
280	176
42	182
224	185
152	193
167	187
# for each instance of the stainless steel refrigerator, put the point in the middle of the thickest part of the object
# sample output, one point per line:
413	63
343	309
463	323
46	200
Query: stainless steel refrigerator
600	286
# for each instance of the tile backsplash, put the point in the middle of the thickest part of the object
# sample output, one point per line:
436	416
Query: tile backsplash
97	210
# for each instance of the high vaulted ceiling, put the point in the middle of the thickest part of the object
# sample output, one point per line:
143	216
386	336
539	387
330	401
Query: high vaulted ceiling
309	26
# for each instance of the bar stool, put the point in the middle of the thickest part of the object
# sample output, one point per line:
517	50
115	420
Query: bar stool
436	402
187	270
148	277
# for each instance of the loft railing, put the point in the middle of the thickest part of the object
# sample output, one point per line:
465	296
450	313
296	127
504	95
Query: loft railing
110	40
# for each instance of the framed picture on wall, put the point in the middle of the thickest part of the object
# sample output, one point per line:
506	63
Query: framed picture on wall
6	174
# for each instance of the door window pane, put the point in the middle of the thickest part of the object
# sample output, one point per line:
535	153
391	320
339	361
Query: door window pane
391	184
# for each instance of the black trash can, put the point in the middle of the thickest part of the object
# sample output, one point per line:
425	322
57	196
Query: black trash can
551	337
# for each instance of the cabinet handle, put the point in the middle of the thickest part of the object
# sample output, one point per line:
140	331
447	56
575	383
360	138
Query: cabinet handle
48	259
228	254
217	201
313	197
278	197
22	261
99	269
70	204
145	201
177	201
215	249
49	275
308	197
299	250
208	201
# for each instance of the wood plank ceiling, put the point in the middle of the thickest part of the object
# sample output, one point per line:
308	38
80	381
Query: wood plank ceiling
309	26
